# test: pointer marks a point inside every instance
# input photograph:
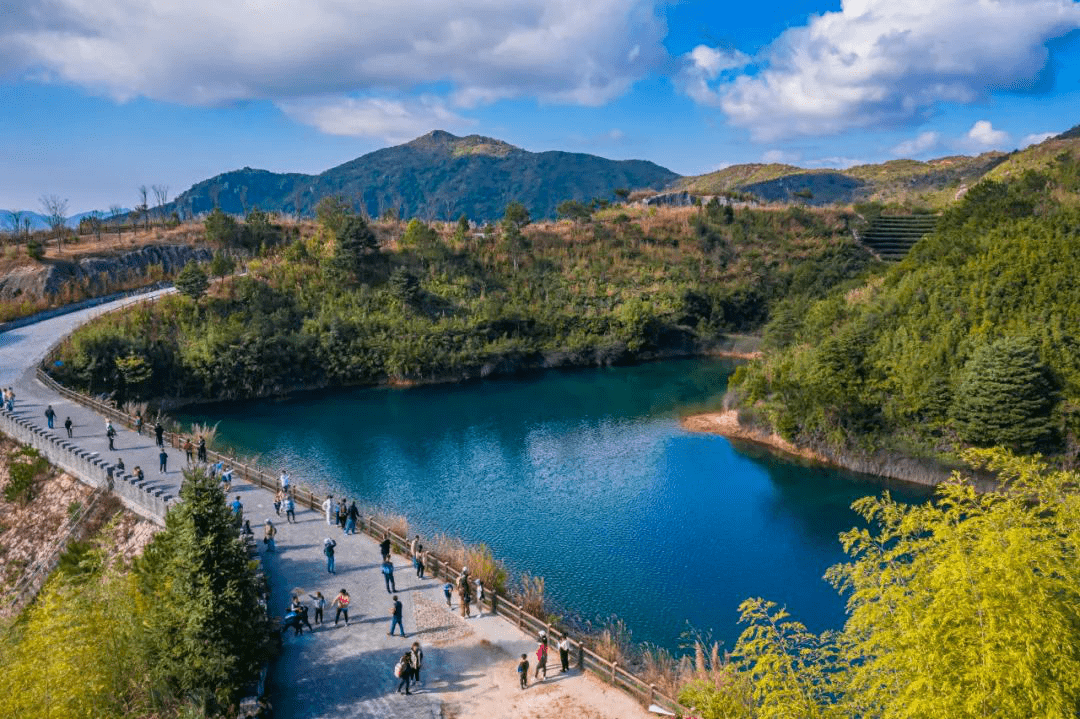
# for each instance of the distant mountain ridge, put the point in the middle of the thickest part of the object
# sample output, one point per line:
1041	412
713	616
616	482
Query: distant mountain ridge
436	176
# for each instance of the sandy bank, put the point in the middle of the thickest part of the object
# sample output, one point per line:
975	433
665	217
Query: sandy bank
727	425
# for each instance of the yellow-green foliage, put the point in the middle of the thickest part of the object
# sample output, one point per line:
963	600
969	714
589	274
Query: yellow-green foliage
966	607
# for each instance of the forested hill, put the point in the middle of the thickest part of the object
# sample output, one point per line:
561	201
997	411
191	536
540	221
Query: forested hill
972	340
437	176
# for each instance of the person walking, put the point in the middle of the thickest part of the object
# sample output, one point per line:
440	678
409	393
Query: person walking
384	547
414	546
448	590
159	434
138	423
342	513
541	659
163	461
278	498
50	416
388	576
269	532
328	507
290	509
189	451
421	564
201	451
110	432
523	671
341	603
403	670
237	507
328	550
284	481
417	661
464	593
320	603
68	424
351	517
564	653
395	620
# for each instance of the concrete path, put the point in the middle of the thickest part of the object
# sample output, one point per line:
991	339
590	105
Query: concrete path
342	672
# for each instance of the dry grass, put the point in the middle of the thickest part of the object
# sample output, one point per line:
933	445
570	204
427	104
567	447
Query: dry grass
614	642
206	431
529	594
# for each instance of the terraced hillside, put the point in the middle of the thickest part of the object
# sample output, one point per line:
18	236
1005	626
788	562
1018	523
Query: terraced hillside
890	237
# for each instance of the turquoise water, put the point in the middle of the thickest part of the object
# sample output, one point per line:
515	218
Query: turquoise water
584	478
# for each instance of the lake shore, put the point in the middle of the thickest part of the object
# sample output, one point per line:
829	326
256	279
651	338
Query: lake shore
888	464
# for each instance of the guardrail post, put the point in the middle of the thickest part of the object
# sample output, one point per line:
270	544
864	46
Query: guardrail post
581	657
494	602
613	665
652	693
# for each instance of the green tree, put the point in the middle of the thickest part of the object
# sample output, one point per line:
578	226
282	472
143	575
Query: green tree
192	281
222	265
516	215
135	372
1006	397
331	213
574	211
206	630
355	241
221	229
404	286
461	231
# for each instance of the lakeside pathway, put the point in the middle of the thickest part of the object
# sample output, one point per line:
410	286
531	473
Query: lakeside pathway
342	672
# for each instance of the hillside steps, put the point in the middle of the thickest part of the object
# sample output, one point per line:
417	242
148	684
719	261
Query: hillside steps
891	237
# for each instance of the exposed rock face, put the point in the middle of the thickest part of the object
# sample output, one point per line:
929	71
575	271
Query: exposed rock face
93	276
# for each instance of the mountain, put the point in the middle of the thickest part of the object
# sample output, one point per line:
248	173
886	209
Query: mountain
38	221
437	176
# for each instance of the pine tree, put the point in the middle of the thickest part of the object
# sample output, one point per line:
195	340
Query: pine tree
192	281
355	241
1006	397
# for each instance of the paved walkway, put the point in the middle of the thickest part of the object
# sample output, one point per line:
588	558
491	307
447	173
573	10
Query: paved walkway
342	672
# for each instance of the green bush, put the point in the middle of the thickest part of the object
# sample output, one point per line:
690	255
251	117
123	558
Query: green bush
25	468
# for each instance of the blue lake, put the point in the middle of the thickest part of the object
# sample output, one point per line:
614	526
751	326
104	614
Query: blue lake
584	478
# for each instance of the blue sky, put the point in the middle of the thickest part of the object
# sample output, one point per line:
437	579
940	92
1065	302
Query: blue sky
99	97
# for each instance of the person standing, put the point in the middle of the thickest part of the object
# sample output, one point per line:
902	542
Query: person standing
320	603
480	596
290	509
68	424
384	547
351	518
159	434
342	513
564	653
464	594
226	480
328	507
10	399
120	464
278	498
237	507
201	453
283	481
163	461
395	620
417	661
523	671
421	564
403	671
541	659
269	532
110	432
448	590
388	576
138	423
50	416
341	602
189	451
414	546
328	550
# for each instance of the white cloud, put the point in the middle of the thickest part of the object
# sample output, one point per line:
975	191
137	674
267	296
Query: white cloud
208	52
704	64
1036	138
888	62
783	157
390	120
983	136
925	142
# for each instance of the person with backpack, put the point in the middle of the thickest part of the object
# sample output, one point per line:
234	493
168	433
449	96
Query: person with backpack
464	593
50	416
341	603
138	423
351	517
384	547
328	550
110	432
541	659
236	506
523	671
388	576
403	670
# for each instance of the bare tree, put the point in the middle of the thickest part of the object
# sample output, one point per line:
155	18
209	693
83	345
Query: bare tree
144	206
56	215
116	213
15	220
161	195
96	224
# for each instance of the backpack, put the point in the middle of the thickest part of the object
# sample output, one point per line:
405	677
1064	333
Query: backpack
398	669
